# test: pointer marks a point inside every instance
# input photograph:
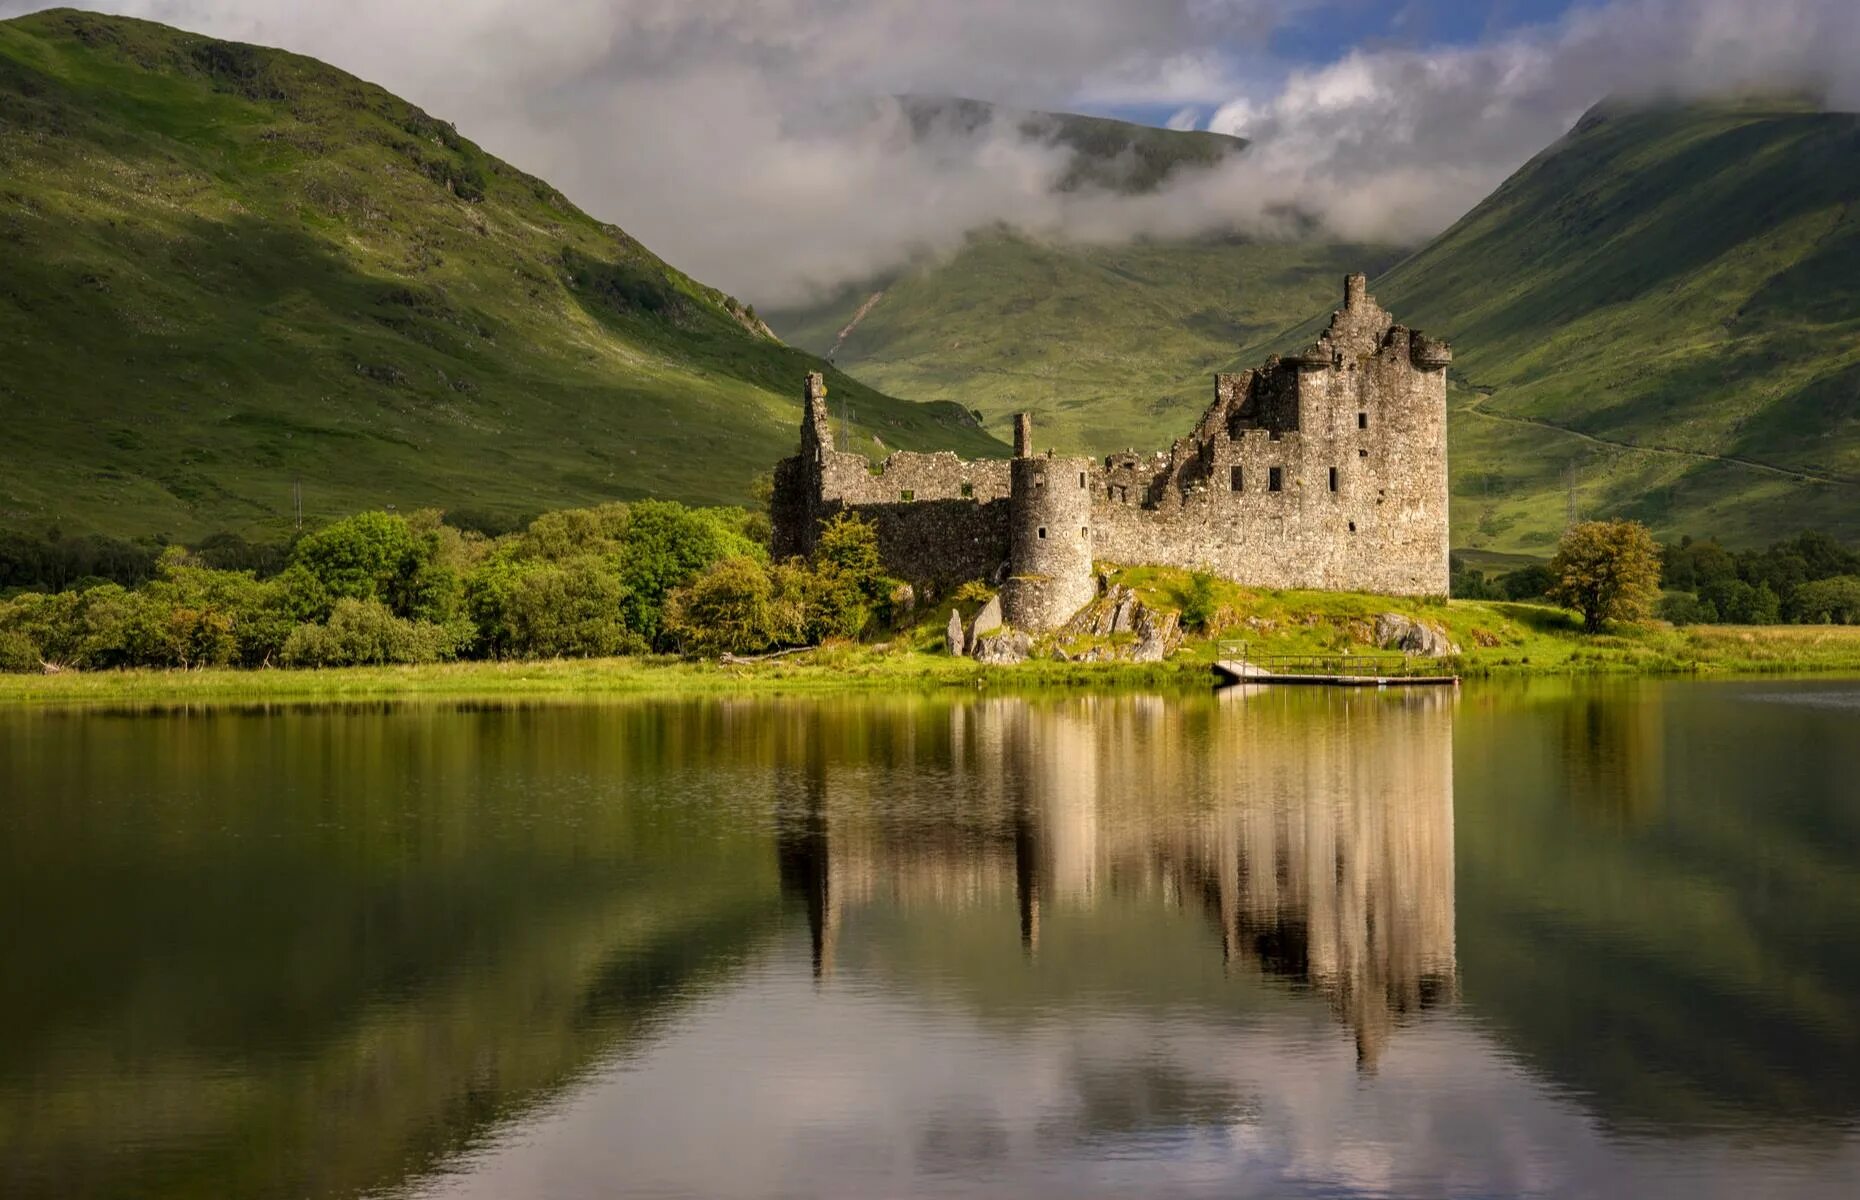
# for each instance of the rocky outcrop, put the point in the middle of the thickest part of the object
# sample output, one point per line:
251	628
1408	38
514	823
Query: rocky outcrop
1003	648
987	621
1396	632
1157	635
1120	611
953	639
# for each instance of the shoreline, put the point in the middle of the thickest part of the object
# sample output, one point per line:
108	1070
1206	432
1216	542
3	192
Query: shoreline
1726	652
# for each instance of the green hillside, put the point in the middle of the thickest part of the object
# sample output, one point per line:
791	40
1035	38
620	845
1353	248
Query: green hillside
1662	309
225	270
1665	307
1109	346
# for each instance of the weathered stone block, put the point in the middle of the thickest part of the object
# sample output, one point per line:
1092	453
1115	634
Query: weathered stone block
986	621
953	640
1004	648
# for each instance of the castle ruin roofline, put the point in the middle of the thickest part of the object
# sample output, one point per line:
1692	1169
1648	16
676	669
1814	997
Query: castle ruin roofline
1429	353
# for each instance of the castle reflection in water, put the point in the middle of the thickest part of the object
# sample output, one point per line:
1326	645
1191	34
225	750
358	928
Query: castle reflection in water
1315	834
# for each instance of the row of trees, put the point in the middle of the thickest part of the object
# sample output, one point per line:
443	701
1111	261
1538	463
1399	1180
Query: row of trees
383	588
1809	579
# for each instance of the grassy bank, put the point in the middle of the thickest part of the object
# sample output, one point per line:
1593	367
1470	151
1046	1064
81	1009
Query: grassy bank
1496	639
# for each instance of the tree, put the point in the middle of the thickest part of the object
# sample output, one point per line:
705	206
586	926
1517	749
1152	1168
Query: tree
372	555
1824	601
1607	571
666	546
729	608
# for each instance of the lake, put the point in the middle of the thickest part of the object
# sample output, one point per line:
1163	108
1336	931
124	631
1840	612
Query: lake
1550	939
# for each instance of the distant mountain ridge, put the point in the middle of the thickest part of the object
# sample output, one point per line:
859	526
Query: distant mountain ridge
1106	153
228	273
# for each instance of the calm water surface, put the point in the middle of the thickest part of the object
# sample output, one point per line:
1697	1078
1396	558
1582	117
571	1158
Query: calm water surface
1531	940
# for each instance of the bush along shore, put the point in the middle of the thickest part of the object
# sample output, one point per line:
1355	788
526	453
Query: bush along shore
655	596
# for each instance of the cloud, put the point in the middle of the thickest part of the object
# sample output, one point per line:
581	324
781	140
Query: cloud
715	130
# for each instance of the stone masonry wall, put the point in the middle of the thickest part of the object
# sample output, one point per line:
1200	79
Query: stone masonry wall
1325	470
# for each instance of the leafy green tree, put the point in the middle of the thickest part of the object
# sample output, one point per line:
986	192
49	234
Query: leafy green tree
1607	571
527	608
666	546
1739	603
1834	600
731	607
1683	608
372	555
572	533
1526	583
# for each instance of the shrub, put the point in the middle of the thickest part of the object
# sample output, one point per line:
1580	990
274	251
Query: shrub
1527	583
1199	603
366	633
18	655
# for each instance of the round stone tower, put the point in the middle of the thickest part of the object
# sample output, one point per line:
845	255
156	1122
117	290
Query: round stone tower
1049	547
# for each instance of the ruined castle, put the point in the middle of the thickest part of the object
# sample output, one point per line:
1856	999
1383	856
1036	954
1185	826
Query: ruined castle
1327	469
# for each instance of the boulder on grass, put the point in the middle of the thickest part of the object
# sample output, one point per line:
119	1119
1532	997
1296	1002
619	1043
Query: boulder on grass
953	641
1003	648
1396	632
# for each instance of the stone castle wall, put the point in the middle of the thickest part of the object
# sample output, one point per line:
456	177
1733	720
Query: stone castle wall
1325	470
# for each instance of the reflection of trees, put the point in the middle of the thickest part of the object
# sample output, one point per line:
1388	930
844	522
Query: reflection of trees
1317	835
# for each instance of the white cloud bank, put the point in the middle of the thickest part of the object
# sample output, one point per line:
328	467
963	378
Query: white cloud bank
695	123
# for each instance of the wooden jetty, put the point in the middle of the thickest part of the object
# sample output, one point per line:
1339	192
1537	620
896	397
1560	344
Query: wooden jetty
1236	667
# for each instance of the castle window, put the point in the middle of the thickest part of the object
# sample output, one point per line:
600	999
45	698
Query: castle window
907	495
1362	420
1352	526
1039	479
1362	454
1084	531
968	491
1236	482
1042	531
1081	479
1275	479
1333	479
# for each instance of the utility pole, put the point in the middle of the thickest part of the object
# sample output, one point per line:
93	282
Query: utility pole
297	503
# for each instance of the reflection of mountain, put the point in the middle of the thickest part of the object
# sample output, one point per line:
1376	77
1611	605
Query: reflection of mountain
1321	850
1659	894
308	954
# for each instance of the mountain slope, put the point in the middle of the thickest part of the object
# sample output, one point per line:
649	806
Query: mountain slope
225	270
1108	346
1664	309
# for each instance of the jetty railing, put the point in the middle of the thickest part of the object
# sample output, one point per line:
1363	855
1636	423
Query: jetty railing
1383	665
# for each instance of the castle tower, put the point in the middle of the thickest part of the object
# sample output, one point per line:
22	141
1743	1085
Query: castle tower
1049	536
816	429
